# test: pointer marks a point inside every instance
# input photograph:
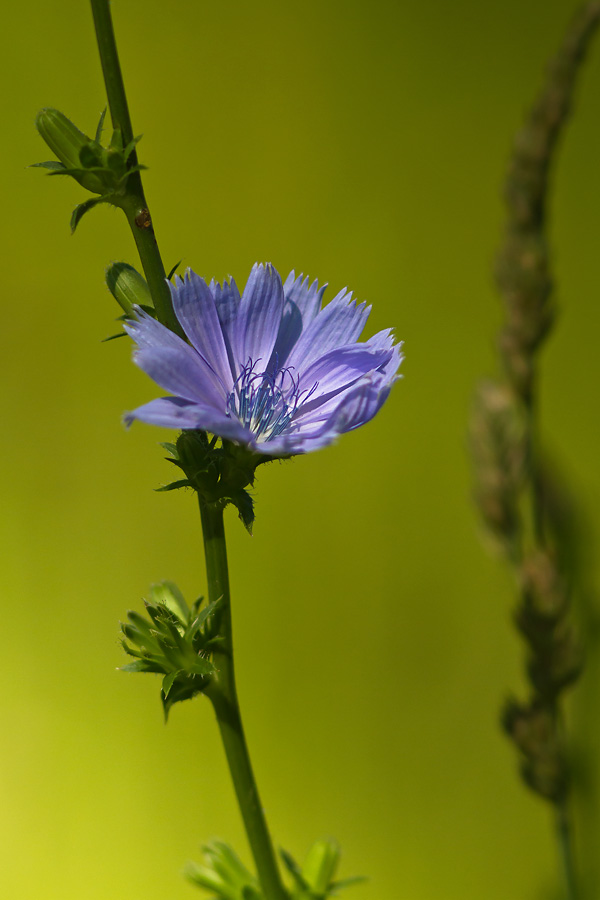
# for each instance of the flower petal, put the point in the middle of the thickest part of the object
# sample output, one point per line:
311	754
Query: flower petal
361	404
307	297
338	369
147	332
258	317
292	445
349	409
173	412
385	340
339	323
301	305
169	412
185	374
178	367
227	301
195	309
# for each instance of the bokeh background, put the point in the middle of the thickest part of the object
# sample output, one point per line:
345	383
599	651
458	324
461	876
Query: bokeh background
363	143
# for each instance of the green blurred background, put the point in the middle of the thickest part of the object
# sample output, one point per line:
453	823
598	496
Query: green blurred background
363	143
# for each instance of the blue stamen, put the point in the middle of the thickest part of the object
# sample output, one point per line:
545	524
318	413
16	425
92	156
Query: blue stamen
263	402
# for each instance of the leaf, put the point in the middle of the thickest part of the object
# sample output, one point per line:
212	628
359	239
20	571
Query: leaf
170	448
202	617
217	641
82	209
116	141
294	869
128	150
174	485
139	621
100	126
169	652
225	861
176	637
141	665
175	267
245	506
184	689
336	886
210	609
132	651
205	877
113	337
89	157
202	667
53	164
167	594
167	682
76	173
133	634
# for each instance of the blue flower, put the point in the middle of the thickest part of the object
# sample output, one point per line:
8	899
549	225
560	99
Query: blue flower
272	370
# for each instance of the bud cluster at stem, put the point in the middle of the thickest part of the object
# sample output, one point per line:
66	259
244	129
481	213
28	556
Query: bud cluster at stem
175	641
101	170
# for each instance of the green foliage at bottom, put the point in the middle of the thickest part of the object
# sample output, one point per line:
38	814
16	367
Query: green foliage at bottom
226	878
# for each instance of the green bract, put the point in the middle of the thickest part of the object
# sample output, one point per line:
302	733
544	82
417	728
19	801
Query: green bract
220	473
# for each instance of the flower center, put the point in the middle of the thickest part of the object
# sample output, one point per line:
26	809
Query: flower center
265	402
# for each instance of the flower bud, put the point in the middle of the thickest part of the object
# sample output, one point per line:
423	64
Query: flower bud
127	286
173	640
76	151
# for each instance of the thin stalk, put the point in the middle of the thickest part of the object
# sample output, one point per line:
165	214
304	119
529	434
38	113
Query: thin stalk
525	282
134	203
564	837
223	695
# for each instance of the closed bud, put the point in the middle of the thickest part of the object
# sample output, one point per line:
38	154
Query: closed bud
127	286
75	150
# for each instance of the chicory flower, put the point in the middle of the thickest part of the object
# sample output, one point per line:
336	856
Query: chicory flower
272	370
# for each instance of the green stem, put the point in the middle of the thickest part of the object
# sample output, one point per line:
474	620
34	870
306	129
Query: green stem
565	844
223	695
134	203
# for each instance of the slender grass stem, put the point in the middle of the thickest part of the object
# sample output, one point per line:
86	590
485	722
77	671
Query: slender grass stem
223	695
564	836
134	203
518	491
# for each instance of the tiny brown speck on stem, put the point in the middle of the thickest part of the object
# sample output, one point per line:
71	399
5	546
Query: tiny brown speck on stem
143	219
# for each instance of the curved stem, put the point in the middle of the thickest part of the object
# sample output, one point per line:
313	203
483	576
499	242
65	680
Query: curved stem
134	203
223	695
